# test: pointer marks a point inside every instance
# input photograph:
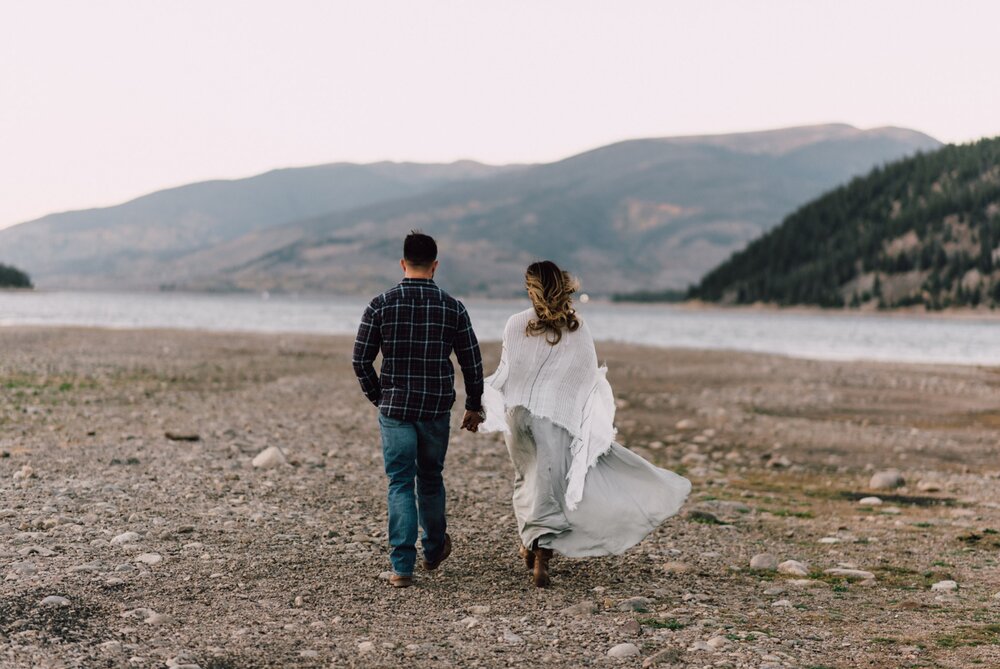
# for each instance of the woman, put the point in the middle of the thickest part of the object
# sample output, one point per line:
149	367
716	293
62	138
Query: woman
576	491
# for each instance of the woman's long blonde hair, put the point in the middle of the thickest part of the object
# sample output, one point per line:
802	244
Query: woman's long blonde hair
551	292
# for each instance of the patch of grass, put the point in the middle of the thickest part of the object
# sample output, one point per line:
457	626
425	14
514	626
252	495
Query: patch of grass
939	563
884	640
785	513
923	525
662	624
983	635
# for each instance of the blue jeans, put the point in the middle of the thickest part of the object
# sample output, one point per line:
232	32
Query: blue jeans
415	449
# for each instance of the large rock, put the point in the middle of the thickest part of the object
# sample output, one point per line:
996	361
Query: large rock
269	457
764	562
851	574
793	568
887	480
623	650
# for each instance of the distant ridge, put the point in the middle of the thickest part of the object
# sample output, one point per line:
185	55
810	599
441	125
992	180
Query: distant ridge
638	215
921	231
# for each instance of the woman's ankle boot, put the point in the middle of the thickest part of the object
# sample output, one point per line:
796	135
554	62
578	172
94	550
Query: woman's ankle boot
541	571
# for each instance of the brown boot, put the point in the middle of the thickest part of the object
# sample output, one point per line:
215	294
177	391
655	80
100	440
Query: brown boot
541	572
529	558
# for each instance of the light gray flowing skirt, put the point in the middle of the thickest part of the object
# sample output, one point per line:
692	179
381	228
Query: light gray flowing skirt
624	497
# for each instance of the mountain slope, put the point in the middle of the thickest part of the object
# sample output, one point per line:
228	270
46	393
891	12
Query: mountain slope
137	243
924	230
642	214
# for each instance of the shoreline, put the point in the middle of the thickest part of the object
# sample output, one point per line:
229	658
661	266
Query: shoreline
489	341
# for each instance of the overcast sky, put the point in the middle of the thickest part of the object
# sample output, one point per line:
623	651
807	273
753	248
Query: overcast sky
105	100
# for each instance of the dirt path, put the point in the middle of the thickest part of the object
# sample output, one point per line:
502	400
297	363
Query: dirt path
232	566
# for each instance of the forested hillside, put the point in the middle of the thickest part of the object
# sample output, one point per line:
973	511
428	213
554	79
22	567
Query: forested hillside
11	277
921	231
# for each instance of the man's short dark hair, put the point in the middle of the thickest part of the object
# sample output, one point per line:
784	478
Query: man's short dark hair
419	250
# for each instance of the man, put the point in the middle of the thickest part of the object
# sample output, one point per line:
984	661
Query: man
416	326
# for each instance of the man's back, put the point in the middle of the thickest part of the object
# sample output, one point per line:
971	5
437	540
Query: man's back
416	326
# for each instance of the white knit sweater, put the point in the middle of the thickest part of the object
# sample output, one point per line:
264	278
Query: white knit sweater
562	383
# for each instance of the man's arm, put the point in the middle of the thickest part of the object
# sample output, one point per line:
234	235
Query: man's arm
366	348
470	360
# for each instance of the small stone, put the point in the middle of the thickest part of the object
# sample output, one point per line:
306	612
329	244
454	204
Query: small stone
623	650
125	538
584	608
158	619
886	480
366	647
269	457
638	604
675	567
870	501
36	550
782	604
686	424
701	646
469	622
764	562
779	462
774	591
111	647
385	575
851	574
55	600
149	558
309	653
511	638
945	586
23	568
829	540
480	610
717	642
793	568
929	486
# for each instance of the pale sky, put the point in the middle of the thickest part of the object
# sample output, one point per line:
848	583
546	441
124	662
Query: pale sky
105	100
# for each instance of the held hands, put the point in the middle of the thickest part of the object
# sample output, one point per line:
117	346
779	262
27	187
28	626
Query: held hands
471	421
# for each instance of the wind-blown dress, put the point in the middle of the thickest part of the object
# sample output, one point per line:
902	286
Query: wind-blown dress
576	490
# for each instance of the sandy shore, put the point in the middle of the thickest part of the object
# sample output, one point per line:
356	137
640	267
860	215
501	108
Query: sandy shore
231	566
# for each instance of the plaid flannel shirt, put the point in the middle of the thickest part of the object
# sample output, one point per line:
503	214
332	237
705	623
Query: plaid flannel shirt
416	326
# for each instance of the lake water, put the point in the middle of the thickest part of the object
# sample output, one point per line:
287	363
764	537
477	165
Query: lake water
838	336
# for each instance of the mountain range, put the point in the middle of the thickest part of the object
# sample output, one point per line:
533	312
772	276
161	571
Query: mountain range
638	215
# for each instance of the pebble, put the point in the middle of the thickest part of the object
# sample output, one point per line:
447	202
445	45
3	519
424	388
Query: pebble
793	568
639	604
886	480
829	540
55	600
945	586
480	610
309	653
584	608
511	638
851	574
125	538
686	424
149	558
23	568
675	567
782	604
764	562
717	642
870	501
702	646
929	486
269	457
623	650
36	550
366	647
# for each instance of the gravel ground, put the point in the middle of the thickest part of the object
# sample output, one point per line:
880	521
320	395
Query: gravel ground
121	547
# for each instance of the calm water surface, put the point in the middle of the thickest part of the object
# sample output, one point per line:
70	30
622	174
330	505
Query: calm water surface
835	336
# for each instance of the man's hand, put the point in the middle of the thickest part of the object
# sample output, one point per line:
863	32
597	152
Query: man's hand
471	421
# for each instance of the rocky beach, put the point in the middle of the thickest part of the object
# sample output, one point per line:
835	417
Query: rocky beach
183	499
